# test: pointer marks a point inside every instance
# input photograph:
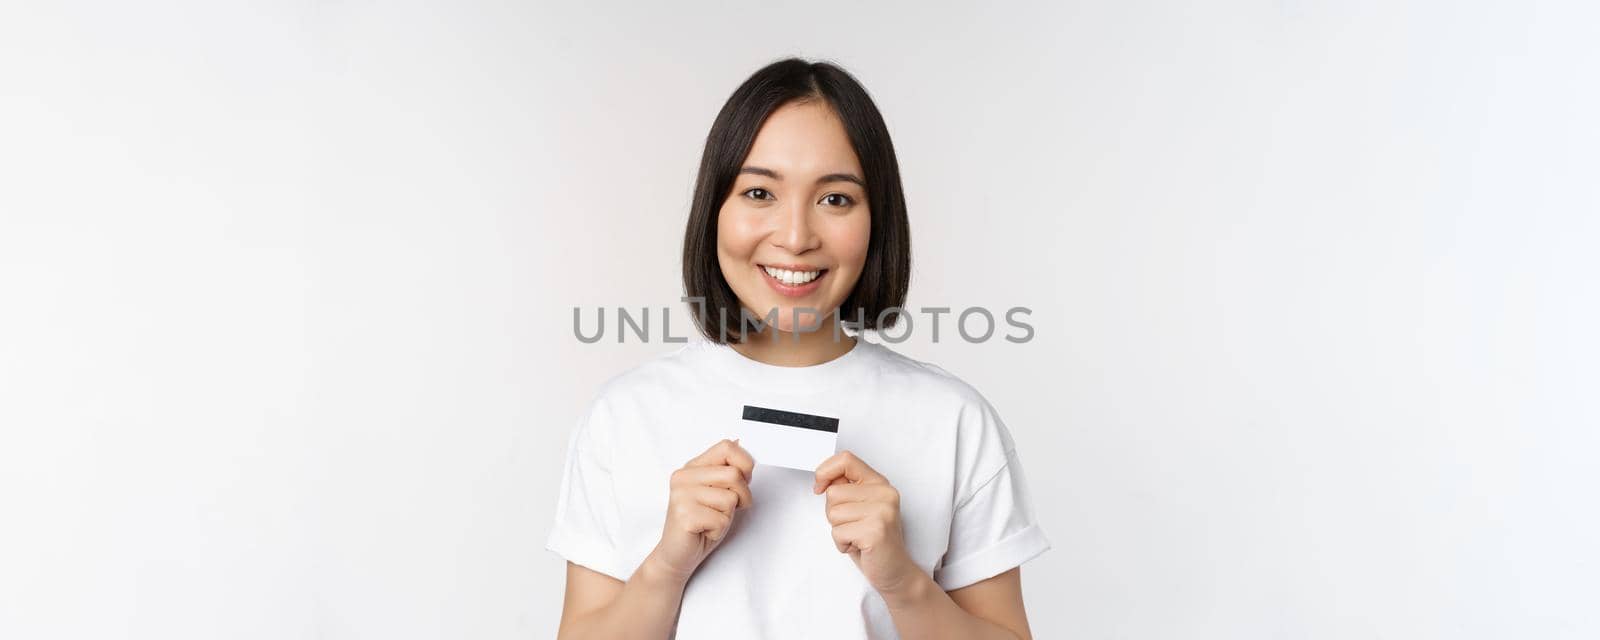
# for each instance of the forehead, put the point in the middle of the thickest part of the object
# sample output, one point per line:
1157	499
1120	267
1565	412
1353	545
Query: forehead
803	139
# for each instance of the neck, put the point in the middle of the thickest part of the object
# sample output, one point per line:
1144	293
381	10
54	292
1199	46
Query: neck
796	348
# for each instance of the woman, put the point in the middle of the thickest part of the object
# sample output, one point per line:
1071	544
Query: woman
915	528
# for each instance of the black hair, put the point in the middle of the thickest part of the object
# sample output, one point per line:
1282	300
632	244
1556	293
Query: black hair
885	278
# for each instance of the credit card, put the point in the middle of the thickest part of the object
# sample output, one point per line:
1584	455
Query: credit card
788	438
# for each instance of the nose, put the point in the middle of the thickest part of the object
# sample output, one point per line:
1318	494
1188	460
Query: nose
794	231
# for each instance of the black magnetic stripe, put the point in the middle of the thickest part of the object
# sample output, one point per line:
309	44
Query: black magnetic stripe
791	419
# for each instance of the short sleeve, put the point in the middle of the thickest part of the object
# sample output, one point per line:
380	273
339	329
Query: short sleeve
587	522
994	528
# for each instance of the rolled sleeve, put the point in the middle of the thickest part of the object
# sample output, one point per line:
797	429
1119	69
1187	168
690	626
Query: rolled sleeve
994	530
587	523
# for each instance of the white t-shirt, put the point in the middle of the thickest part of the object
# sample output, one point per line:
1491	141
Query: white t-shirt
965	508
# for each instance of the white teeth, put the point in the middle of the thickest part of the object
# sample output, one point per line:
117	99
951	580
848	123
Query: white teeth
792	278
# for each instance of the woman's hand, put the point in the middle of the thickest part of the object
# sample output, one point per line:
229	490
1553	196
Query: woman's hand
864	510
705	494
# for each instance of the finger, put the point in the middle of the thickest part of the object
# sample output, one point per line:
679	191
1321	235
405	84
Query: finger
723	476
718	498
713	455
846	492
846	465
710	522
741	459
726	452
693	517
845	512
870	492
853	536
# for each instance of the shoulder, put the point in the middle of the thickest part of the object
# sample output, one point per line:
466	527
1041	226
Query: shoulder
983	442
629	400
926	380
661	375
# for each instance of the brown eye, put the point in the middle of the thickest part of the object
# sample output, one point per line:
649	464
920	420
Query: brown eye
843	200
761	194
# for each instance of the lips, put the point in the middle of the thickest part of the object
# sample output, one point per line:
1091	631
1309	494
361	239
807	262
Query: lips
792	280
792	274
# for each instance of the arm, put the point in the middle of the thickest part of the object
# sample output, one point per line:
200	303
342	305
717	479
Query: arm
700	508
989	609
600	606
864	510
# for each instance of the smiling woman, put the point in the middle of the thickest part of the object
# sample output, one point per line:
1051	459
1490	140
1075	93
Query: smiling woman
917	523
798	162
780	212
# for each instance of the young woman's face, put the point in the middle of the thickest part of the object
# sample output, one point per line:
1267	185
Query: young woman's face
793	232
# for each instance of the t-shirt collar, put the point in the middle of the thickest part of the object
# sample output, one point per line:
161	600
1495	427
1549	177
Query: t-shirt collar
749	372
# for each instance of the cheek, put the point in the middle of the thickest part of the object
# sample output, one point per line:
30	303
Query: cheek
850	238
736	234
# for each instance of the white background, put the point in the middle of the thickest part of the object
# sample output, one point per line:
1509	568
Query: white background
286	292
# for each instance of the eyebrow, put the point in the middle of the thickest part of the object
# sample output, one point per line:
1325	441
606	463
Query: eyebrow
832	177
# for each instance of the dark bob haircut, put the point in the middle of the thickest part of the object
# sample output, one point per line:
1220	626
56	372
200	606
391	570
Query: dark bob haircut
880	292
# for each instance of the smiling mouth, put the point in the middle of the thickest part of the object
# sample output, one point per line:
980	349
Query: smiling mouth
793	277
